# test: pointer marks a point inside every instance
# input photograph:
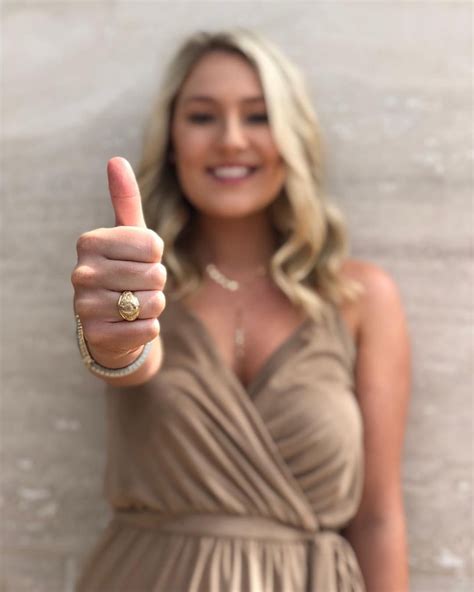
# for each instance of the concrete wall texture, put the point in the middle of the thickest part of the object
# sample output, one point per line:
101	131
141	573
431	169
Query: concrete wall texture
392	85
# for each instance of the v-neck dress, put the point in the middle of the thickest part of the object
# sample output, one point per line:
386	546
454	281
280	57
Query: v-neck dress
219	488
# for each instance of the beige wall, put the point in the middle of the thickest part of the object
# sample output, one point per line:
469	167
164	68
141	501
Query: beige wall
392	84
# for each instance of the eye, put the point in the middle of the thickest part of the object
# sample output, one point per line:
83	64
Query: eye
258	118
200	118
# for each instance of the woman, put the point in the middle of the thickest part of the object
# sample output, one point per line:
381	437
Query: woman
258	445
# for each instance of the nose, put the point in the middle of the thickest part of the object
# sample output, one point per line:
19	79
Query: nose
232	134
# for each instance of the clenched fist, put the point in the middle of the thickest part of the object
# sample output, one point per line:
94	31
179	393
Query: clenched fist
112	260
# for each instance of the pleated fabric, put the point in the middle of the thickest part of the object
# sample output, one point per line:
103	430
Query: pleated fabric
217	487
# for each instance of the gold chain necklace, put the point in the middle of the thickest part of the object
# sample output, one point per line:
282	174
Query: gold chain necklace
234	286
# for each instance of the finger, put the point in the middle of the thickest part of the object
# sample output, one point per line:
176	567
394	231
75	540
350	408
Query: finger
103	305
121	275
122	244
117	337
124	193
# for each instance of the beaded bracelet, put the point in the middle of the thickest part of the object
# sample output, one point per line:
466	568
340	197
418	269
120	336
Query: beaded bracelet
99	370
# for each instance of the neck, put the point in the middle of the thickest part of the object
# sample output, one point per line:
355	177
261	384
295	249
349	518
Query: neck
236	247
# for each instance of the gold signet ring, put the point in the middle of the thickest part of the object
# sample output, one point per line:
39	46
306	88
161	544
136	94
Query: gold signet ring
128	306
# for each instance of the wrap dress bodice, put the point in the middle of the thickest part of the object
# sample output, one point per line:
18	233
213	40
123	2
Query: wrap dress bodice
217	487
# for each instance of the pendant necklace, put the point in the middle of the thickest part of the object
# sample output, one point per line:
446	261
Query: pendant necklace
235	286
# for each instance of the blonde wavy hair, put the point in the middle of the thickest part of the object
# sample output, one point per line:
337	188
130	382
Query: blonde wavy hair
311	231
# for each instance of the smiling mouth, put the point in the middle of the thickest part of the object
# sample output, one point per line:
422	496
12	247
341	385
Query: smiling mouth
231	173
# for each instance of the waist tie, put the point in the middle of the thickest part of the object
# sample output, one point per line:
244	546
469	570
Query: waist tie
332	565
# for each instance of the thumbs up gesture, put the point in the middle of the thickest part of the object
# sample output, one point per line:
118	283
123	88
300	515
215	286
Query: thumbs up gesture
111	261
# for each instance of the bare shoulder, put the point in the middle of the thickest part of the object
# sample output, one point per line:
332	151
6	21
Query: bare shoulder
376	280
381	296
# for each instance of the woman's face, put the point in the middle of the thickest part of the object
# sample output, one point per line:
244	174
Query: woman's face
227	162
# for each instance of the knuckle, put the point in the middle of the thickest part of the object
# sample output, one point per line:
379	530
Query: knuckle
87	242
152	330
155	245
74	277
83	276
149	330
157	304
157	275
164	273
162	301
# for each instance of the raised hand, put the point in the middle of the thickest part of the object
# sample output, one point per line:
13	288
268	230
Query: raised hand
113	260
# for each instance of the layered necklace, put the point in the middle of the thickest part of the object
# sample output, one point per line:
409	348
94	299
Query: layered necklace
235	286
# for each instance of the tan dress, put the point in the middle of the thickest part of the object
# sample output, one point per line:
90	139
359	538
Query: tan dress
220	488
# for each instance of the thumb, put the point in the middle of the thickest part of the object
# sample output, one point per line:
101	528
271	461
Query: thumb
124	193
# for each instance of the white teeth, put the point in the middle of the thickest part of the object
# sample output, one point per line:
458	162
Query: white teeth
231	172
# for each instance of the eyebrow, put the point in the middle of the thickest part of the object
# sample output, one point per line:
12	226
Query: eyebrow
213	100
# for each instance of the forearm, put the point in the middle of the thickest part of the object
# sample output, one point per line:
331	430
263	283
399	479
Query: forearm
381	550
146	371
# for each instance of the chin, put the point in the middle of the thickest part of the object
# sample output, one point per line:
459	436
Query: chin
231	211
231	206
